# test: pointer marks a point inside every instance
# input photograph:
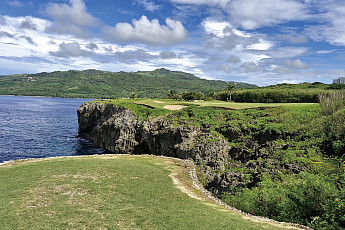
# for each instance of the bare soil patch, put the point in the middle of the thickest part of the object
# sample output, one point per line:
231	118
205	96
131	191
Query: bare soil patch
174	107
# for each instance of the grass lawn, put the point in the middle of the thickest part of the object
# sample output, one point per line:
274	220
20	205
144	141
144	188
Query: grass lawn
160	103
110	192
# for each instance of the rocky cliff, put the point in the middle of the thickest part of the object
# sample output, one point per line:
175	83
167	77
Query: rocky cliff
119	130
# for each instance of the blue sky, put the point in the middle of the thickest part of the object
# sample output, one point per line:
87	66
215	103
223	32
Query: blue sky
262	42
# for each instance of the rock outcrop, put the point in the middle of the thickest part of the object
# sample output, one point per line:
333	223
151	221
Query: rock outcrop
119	130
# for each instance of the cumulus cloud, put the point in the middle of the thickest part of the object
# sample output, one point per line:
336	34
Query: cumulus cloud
296	64
255	14
131	55
28	39
148	5
333	31
15	3
92	46
71	18
70	50
149	32
225	67
6	34
233	59
250	67
28	24
167	55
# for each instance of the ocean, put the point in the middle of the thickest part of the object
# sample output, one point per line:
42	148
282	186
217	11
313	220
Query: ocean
37	127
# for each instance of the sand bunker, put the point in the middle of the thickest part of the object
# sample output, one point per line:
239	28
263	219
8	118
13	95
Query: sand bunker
174	107
160	102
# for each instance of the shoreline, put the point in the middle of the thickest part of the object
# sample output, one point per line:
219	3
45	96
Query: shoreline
11	95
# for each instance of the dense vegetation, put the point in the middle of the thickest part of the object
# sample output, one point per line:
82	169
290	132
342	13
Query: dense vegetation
282	93
103	84
287	163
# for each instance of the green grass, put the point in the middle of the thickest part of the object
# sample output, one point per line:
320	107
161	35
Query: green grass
109	192
229	105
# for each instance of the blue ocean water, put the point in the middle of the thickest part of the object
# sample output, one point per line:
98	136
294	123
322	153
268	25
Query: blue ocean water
36	127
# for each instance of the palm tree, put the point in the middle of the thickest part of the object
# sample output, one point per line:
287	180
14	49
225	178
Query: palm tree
230	88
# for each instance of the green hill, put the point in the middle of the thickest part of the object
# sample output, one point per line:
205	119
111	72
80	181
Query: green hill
104	84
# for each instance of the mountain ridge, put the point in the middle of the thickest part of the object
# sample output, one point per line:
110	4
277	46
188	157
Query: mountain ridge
92	83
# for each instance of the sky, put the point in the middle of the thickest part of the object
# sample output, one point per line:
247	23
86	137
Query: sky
262	42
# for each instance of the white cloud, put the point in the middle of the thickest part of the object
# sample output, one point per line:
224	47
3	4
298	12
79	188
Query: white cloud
233	59
2	20
286	52
167	55
325	51
250	67
261	45
251	14
15	3
28	24
225	67
148	32
293	38
148	5
296	64
92	46
71	19
71	50
221	28
333	31
221	3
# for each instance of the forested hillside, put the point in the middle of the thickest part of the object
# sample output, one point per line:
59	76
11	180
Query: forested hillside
104	84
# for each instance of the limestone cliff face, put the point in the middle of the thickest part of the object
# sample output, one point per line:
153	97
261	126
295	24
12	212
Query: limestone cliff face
118	130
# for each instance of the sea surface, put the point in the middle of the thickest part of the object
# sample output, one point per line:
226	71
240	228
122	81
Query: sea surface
36	127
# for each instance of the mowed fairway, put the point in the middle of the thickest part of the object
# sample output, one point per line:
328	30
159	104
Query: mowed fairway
161	103
110	192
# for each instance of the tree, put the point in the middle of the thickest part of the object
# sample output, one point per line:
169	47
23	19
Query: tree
134	95
172	94
230	88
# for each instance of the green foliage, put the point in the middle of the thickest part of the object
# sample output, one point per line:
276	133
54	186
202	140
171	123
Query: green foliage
282	93
191	96
306	198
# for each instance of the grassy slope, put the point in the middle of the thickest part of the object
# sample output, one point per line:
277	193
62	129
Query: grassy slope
160	103
109	192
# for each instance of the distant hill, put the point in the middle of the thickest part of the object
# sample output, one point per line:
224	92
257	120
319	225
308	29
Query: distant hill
104	84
